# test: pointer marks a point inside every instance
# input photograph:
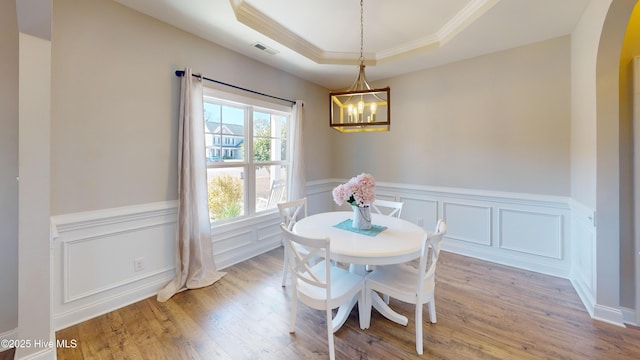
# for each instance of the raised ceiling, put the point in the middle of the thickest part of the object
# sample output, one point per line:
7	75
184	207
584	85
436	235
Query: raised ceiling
319	40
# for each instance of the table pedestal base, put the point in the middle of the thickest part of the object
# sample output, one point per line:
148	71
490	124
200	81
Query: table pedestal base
365	314
343	314
385	310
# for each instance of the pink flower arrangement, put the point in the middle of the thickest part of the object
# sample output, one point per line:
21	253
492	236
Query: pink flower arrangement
359	191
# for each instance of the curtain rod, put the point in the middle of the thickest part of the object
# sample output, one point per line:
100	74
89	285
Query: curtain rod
180	73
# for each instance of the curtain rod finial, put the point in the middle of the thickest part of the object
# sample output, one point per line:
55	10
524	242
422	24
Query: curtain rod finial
179	73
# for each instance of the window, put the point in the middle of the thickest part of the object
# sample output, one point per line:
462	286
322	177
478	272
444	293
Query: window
247	151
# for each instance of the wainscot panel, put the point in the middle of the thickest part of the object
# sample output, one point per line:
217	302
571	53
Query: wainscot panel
319	197
241	240
468	222
531	232
583	249
106	259
423	212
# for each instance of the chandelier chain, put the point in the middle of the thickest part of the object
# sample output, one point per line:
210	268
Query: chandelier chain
361	31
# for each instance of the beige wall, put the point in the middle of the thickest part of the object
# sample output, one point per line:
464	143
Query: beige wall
584	51
115	104
496	122
8	166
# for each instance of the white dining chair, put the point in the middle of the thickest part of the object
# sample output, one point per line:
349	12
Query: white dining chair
322	286
290	213
387	207
408	284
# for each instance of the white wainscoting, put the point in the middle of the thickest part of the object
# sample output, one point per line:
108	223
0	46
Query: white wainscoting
522	230
583	262
583	267
94	252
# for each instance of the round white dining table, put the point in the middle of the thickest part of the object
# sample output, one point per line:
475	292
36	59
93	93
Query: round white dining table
401	241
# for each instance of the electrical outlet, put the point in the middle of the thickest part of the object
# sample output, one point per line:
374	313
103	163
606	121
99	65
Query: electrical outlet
421	222
138	264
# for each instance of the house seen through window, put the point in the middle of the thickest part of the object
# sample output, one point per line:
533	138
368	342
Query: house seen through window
247	153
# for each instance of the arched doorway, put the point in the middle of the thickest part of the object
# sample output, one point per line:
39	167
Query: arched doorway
615	244
630	59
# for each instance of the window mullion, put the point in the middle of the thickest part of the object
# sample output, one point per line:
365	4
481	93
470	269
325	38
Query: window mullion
250	183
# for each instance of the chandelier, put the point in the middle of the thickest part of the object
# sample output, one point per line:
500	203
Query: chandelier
360	108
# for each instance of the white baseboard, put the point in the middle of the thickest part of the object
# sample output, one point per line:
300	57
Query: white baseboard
77	313
585	295
7	335
629	316
45	351
609	315
44	354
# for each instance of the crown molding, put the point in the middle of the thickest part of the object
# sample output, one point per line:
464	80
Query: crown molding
250	16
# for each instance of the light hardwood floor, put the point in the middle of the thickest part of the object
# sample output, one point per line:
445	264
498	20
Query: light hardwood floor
485	311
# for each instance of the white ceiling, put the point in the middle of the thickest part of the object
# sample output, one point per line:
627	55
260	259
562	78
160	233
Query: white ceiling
319	40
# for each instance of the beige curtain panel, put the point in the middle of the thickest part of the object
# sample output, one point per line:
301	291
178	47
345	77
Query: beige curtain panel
195	266
297	180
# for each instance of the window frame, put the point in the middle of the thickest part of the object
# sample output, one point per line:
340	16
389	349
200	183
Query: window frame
248	164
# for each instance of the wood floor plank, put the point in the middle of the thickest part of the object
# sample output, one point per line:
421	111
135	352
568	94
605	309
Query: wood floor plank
484	310
142	329
206	346
118	338
72	353
7	354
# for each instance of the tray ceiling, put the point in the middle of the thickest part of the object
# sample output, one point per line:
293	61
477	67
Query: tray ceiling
319	40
